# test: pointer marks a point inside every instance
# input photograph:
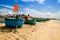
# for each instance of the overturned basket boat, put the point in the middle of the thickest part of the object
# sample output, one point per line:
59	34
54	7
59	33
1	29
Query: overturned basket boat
12	22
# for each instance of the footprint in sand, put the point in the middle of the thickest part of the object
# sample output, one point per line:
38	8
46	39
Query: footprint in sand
17	38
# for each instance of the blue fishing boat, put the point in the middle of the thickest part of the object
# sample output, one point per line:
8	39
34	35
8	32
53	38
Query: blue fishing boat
12	22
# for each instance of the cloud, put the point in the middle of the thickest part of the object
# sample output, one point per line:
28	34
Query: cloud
58	1
7	6
28	0
39	1
30	11
36	13
50	6
5	11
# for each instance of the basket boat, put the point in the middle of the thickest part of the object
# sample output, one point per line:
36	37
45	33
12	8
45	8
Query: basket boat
12	22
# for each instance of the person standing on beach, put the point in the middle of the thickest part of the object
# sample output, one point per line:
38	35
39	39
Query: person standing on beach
26	18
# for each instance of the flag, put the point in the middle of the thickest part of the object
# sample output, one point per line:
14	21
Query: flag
16	7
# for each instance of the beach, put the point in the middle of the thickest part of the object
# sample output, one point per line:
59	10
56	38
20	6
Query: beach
49	30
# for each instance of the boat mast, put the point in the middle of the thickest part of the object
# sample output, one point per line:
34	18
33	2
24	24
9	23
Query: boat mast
20	11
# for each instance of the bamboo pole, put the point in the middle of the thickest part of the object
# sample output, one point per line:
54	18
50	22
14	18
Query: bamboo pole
16	24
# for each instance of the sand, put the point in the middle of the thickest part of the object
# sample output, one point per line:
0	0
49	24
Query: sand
49	30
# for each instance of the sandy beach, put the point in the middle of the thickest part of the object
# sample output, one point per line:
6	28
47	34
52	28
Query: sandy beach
49	30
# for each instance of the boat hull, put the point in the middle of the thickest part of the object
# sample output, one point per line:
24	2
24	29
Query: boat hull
32	22
12	23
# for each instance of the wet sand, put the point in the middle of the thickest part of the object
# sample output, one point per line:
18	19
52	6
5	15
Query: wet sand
49	30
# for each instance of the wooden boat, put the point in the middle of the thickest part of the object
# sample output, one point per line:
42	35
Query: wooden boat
12	22
33	22
41	20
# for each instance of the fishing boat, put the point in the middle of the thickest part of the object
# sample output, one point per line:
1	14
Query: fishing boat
12	22
41	19
32	22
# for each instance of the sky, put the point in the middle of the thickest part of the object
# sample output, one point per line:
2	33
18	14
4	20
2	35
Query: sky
36	8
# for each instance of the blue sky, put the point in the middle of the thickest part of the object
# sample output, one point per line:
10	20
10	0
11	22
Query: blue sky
33	6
